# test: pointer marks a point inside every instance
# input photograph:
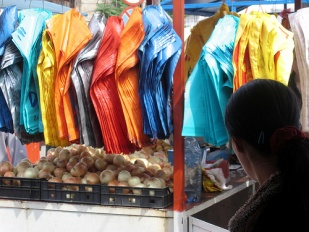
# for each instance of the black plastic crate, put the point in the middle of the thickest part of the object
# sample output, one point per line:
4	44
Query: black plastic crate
20	188
147	197
70	193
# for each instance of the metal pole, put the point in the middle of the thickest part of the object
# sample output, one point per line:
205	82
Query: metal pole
297	5
178	108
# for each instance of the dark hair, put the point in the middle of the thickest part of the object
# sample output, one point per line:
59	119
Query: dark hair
258	108
255	111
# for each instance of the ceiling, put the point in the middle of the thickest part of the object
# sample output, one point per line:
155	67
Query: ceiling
210	7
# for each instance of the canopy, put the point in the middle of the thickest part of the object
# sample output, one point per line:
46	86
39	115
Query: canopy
210	7
26	4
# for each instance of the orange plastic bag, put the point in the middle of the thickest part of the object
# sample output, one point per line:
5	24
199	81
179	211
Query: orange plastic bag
104	94
69	33
127	72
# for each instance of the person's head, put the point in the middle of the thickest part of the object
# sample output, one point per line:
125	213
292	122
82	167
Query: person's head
258	108
265	114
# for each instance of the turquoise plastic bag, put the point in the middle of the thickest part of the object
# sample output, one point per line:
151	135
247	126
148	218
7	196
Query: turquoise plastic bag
210	85
27	39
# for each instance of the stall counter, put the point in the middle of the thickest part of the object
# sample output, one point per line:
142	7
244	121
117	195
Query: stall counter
37	216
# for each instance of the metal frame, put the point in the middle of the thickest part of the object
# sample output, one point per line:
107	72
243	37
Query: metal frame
210	7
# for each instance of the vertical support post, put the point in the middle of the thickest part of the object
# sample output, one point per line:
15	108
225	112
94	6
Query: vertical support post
178	108
297	5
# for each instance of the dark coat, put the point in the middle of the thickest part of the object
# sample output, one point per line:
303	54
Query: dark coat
271	209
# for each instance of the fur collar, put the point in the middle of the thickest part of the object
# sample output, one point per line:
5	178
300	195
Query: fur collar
270	188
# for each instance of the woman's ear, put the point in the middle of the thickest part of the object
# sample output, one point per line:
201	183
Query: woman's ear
238	145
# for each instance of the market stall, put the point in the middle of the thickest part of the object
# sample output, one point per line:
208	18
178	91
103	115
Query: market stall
176	216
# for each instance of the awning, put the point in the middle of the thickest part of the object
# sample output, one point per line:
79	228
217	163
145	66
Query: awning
210	7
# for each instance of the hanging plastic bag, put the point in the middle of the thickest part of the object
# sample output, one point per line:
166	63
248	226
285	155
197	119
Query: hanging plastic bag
27	39
81	79
127	77
67	46
9	20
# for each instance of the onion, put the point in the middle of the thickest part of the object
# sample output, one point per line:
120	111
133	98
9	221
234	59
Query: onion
112	182
100	164
74	158
58	172
22	166
106	176
153	168
137	191
163	183
143	176
73	180
84	154
124	175
137	171
26	160
161	174
30	173
153	182
71	164
36	169
133	181
169	172
111	167
64	154
119	160
66	175
5	166
109	157
143	154
148	150
88	160
124	184
141	162
129	167
61	163
73	151
161	155
79	169
10	181
99	152
54	180
44	174
80	148
40	163
92	178
49	167
155	160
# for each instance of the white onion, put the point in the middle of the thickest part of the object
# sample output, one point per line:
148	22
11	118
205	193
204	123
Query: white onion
124	175
133	181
